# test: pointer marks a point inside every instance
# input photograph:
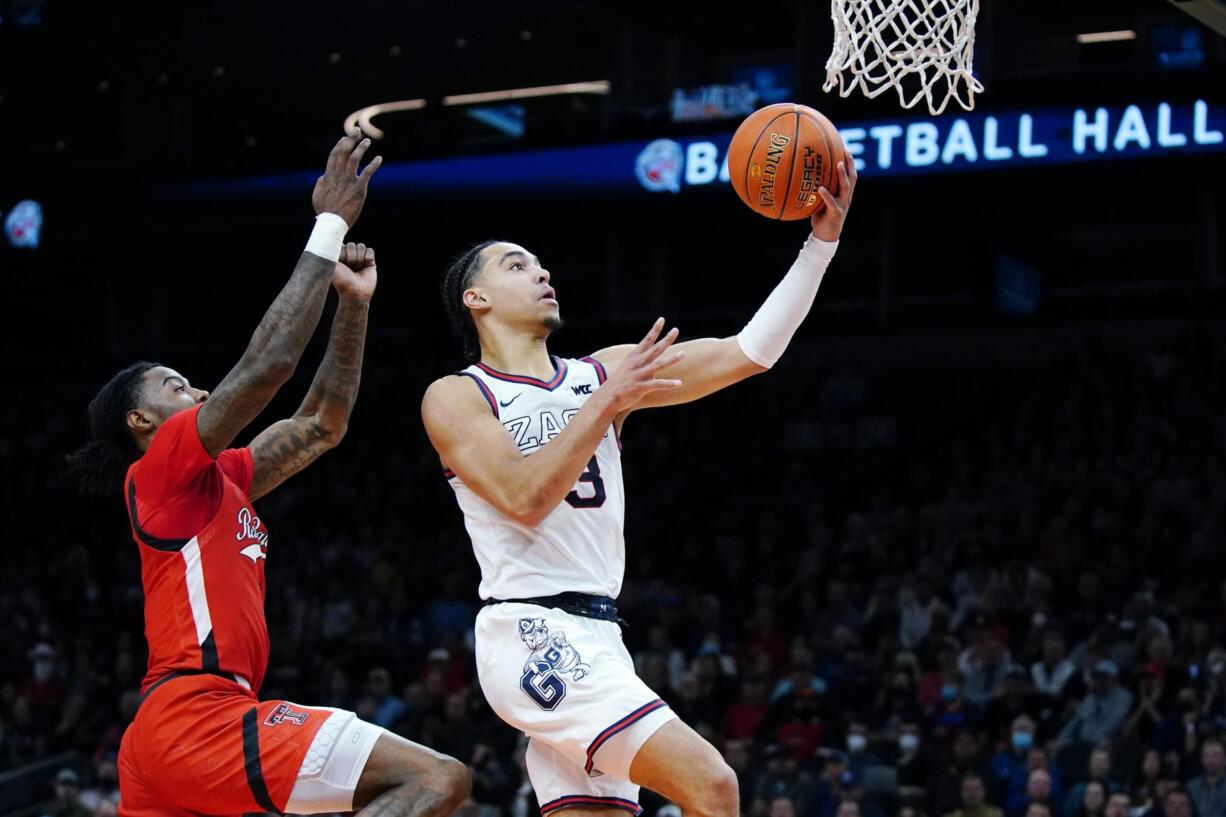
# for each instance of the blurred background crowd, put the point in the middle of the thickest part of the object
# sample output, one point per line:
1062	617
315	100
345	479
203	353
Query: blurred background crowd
1017	615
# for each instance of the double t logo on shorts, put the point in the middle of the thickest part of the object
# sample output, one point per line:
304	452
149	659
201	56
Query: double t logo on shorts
552	657
283	713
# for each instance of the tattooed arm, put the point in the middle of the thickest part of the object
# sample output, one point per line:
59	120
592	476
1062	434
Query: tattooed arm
277	345
285	448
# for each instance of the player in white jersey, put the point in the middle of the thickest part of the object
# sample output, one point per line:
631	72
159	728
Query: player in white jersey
531	445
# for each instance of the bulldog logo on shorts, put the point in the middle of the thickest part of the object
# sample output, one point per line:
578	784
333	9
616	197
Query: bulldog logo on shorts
552	657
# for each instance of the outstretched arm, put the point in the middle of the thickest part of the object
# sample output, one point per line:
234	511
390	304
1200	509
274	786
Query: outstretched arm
277	345
712	364
285	448
471	441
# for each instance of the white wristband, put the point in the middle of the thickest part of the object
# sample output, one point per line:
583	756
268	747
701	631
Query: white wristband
766	336
328	236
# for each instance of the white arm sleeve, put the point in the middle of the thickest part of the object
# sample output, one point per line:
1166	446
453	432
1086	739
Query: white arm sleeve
768	333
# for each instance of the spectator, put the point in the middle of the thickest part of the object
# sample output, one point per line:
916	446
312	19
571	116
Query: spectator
492	779
784	778
1118	805
1098	771
1010	765
974	800
965	759
1150	718
917	604
338	693
826	792
1038	810
1093	800
898	704
932	684
67	797
851	790
1051	673
106	785
859	751
1208	791
389	707
1014	699
1177	803
983	667
1144	789
1102	713
953	712
1013	766
1039	787
781	807
916	764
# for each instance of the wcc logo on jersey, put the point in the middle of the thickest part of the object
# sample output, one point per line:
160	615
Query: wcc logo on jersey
552	657
249	529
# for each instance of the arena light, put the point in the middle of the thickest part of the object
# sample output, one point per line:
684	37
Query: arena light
1106	36
599	87
362	117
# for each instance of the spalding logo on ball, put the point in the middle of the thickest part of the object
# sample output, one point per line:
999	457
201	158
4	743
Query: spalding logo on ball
780	156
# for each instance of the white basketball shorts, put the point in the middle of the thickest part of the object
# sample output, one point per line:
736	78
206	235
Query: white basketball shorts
568	683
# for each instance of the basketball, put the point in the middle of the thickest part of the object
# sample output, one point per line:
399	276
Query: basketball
780	156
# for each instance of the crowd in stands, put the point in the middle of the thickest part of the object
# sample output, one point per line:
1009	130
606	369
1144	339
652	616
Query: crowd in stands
1022	616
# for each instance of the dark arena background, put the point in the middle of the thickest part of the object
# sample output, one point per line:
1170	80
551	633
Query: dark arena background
963	551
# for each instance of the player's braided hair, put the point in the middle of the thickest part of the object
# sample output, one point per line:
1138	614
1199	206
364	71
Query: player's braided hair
460	277
102	463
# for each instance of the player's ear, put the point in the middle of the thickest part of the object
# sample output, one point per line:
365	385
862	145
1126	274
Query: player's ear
141	421
475	299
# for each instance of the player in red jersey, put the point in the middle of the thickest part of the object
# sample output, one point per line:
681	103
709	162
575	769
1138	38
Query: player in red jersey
202	743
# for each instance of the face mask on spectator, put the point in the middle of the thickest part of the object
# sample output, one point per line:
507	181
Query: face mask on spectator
908	743
949	692
856	743
1022	741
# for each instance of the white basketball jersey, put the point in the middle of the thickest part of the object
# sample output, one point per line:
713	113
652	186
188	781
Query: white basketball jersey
580	546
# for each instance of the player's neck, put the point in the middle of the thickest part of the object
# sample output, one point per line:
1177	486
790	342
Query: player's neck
522	354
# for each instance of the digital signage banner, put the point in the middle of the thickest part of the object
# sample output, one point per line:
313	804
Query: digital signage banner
888	147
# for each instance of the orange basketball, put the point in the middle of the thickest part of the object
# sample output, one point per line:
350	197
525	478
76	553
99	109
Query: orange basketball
780	155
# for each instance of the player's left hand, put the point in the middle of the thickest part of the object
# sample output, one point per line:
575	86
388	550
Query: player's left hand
355	272
828	221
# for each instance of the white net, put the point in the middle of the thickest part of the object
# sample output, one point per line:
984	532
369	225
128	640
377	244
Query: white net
922	48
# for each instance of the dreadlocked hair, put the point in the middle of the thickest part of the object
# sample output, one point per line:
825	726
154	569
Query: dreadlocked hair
102	463
460	277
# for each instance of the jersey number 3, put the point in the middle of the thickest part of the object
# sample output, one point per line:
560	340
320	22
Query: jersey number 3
591	475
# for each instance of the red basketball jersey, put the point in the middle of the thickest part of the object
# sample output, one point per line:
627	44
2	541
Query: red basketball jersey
202	550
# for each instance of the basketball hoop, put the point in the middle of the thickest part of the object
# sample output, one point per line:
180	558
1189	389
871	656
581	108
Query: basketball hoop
922	48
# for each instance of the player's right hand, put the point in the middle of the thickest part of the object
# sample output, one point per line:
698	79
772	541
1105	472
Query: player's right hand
342	189
636	376
355	273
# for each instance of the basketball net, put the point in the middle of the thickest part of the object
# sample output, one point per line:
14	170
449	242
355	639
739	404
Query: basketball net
923	48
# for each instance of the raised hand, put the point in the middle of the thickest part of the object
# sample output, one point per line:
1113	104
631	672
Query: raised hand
342	189
828	221
636	376
355	272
